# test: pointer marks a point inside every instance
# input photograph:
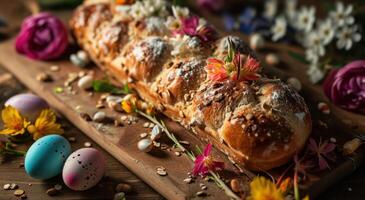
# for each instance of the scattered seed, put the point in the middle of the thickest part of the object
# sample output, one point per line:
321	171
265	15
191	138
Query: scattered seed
156	144
188	180
87	144
272	59
156	133
119	196
201	193
117	123
161	171
143	135
145	145
13	186
324	108
235	185
85	82
58	90
207	179
81	54
54	68
6	186
52	192
99	116
151	125
123	118
204	187
58	187
21	165
123	187
351	146
177	153
85	116
333	140
18	192
44	77
146	125
71	139
29	184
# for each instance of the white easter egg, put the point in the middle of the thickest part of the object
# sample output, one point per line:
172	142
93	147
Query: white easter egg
83	169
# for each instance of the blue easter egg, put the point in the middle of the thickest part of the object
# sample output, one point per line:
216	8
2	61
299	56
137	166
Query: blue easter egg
46	156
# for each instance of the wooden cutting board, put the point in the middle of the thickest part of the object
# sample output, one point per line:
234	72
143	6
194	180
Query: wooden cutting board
121	142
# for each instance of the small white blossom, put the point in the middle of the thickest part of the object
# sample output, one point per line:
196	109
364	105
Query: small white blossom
279	28
291	9
173	23
180	12
315	42
326	31
270	9
315	73
138	10
311	56
342	15
147	8
306	18
347	36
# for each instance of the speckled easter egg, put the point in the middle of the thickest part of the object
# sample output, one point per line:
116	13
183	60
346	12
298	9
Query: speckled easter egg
45	158
29	105
83	169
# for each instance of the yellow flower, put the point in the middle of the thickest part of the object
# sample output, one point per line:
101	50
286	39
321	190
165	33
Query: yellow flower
45	124
14	123
306	197
127	106
263	189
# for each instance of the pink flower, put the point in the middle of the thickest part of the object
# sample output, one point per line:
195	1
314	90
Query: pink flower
322	151
212	5
42	36
190	27
346	86
205	163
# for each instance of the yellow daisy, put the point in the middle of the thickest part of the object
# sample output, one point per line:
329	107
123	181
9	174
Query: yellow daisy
14	123
45	124
264	189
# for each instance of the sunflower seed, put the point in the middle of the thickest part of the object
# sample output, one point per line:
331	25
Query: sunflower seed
58	187
6	186
87	144
18	192
201	193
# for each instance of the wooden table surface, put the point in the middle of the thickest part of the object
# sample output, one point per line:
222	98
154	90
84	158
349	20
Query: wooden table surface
12	172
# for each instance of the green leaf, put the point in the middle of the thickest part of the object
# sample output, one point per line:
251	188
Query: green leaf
105	86
298	57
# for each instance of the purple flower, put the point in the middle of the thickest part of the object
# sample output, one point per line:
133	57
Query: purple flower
190	27
205	163
42	36
322	151
249	22
346	86
211	5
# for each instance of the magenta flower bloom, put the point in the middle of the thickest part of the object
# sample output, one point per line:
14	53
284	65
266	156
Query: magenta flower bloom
346	86
322	151
205	163
190	25
42	37
211	5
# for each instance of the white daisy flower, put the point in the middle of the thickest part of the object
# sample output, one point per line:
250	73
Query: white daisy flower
271	7
279	28
138	10
306	18
291	9
326	31
311	56
315	74
347	36
173	23
180	12
315	47
342	15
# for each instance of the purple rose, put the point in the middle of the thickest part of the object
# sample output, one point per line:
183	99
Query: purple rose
212	5
346	86
42	37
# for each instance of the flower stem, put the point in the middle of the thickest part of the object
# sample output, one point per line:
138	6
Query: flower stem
214	175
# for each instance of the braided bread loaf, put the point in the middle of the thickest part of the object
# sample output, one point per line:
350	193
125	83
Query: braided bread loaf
259	123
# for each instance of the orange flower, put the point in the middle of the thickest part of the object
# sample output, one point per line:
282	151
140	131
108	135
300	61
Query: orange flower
124	2
247	68
127	106
285	185
216	69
